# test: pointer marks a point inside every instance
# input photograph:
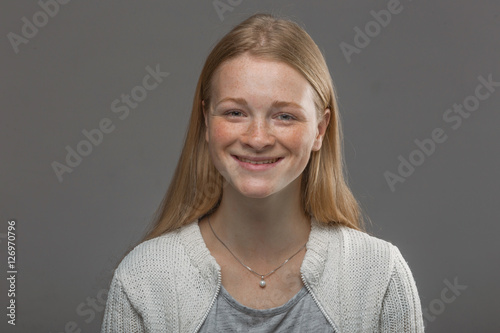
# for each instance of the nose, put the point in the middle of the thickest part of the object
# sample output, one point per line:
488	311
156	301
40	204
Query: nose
258	135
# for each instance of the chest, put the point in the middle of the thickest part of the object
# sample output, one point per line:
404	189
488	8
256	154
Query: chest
244	286
299	314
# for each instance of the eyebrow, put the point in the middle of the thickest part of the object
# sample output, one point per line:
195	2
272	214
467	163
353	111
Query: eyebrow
276	104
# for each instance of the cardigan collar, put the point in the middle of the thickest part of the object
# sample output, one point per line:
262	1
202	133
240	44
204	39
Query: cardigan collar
312	266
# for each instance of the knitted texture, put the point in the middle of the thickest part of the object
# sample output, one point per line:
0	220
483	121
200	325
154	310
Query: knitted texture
168	284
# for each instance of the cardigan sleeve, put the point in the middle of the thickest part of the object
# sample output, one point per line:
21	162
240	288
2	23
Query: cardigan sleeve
119	315
401	309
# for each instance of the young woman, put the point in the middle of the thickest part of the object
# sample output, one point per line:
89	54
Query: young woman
258	231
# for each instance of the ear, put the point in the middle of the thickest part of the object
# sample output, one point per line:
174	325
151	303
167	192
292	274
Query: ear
322	126
205	116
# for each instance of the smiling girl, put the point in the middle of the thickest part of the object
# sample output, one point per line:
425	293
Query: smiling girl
258	231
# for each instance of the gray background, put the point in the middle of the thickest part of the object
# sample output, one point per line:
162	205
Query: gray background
444	217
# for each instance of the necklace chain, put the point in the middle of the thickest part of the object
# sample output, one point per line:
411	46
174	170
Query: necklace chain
262	276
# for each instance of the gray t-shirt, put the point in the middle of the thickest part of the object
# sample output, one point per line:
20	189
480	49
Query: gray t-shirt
299	314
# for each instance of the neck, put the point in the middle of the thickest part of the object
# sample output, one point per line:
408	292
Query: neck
264	229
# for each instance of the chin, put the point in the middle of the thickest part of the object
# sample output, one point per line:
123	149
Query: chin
256	195
255	192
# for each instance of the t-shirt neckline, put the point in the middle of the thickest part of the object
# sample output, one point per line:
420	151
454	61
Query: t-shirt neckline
263	312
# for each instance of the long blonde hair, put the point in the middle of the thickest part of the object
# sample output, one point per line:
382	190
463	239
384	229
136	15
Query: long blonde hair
196	186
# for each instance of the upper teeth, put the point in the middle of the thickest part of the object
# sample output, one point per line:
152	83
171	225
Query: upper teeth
255	162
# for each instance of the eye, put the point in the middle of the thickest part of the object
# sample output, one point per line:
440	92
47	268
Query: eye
286	117
233	113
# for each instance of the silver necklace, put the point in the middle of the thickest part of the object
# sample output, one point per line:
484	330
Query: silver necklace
262	282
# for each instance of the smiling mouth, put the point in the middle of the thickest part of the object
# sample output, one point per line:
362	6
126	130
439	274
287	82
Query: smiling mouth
269	161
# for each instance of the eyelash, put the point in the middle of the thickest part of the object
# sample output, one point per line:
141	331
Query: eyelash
231	113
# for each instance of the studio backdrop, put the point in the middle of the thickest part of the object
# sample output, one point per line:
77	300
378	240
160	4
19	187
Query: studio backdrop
95	101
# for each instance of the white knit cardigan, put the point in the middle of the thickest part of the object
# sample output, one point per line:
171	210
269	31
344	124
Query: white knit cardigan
169	283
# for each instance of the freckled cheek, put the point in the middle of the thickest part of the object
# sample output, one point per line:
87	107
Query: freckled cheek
221	134
296	139
219	139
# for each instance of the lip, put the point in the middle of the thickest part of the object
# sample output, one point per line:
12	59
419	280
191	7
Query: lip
257	167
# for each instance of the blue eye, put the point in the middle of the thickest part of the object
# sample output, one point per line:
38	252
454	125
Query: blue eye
233	113
288	117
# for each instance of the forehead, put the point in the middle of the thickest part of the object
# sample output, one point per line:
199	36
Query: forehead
252	77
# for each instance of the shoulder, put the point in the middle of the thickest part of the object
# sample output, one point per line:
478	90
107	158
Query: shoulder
353	273
366	260
155	256
356	254
354	244
370	247
156	265
362	243
154	275
375	271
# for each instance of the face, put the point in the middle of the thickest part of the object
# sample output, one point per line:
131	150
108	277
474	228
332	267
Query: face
261	125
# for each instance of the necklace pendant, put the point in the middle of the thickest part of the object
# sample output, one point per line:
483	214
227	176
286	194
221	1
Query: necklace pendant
262	283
